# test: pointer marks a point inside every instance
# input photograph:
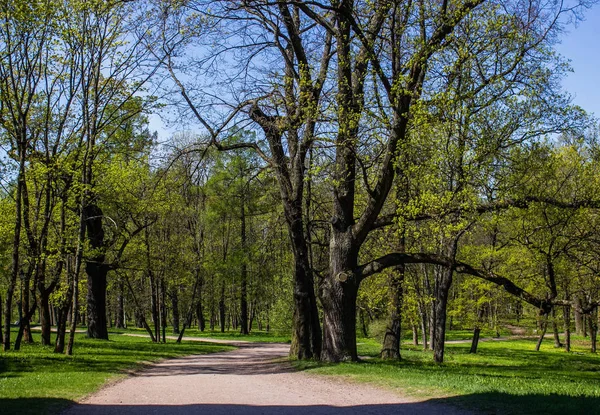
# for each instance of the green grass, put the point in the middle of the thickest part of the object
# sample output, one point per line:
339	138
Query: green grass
254	336
36	380
503	377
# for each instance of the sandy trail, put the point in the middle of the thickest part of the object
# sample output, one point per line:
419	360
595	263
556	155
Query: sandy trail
244	381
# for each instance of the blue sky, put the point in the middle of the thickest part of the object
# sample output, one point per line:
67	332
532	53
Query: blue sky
582	46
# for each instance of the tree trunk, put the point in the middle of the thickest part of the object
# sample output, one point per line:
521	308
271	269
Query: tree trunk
200	315
24	327
306	328
243	272
475	341
15	265
175	311
593	322
557	342
392	338
579	323
163	315
363	323
139	315
442	290
120	320
423	315
338	297
544	327
415	333
96	271
45	319
96	301
441	306
567	325
222	307
61	324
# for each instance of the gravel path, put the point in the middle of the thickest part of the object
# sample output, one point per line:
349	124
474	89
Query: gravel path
245	381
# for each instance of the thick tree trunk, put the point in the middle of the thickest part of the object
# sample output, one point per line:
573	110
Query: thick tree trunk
442	290
475	341
96	271
96	300
391	341
306	330
45	319
441	306
338	296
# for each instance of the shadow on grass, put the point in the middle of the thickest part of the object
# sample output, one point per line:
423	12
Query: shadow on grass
489	403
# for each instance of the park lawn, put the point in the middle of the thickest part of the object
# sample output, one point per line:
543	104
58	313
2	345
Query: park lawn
254	336
36	380
503	377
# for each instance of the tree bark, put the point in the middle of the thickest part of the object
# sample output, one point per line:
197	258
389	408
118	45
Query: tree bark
243	271
306	329
579	322
222	307
442	290
475	341
441	306
557	342
593	322
415	333
423	318
567	326
96	271
163	314
45	319
120	320
175	311
544	327
392	338
338	297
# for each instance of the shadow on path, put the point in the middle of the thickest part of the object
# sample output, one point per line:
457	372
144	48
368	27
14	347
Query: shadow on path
487	403
249	359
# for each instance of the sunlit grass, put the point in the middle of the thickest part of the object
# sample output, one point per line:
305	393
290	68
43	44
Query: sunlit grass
35	372
503	377
254	336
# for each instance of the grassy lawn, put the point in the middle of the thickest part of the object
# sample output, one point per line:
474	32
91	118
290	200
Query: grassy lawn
503	377
36	380
254	336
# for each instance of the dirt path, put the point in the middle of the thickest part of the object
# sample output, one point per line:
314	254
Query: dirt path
245	381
